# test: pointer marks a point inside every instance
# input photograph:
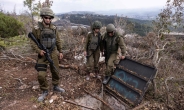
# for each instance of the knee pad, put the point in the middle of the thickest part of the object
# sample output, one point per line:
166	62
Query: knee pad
41	67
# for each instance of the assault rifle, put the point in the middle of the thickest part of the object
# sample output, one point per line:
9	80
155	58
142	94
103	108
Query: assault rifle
42	47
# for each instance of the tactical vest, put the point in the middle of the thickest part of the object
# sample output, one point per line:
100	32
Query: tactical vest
93	42
47	36
111	43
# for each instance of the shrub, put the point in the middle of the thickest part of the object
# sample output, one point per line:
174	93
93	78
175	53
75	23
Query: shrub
9	26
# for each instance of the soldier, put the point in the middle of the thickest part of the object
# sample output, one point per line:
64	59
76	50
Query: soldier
46	34
111	42
92	49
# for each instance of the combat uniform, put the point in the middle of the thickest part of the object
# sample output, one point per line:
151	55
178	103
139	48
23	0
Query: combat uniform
55	43
111	45
92	47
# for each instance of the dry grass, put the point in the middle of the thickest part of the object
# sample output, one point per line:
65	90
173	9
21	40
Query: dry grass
170	66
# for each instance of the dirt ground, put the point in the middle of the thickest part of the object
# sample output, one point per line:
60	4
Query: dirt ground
19	88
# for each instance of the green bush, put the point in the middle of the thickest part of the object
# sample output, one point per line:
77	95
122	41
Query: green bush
9	26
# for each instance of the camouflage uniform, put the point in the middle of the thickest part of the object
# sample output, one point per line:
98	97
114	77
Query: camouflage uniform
41	66
111	45
92	47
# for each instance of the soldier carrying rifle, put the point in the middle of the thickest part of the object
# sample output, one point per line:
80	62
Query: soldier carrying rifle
47	35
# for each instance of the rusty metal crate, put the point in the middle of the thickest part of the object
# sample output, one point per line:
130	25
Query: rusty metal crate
130	81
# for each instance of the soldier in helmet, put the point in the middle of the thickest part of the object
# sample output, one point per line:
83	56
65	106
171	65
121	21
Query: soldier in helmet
46	34
111	42
92	49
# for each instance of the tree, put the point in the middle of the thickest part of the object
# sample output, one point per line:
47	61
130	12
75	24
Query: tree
47	3
9	26
34	8
29	4
170	17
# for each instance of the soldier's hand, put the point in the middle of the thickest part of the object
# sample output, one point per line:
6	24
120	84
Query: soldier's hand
122	57
60	56
85	53
42	53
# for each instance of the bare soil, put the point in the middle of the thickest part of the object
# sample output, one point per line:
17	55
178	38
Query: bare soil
19	88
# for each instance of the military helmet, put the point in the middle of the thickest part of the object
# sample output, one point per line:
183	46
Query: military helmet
46	11
96	25
110	28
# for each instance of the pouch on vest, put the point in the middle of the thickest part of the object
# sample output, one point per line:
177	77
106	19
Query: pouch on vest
48	38
93	43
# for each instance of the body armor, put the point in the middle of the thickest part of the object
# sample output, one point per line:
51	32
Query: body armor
48	38
93	43
111	44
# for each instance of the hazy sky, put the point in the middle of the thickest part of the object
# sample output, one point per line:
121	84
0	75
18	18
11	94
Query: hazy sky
86	5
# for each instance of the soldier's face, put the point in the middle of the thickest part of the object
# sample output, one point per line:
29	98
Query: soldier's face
111	33
97	30
47	19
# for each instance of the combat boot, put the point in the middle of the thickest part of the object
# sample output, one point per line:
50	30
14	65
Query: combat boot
42	96
106	79
58	89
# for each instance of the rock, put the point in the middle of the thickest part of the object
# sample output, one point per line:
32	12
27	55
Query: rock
51	93
24	79
35	83
5	70
53	98
61	97
24	86
34	106
35	87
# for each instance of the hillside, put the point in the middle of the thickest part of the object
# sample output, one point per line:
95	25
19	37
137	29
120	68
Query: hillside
139	26
19	87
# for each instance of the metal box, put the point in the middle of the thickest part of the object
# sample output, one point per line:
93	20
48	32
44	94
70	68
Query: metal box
130	81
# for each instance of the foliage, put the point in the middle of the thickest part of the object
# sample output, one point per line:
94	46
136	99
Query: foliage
47	3
13	41
34	7
9	26
167	53
25	19
171	17
174	11
170	67
140	27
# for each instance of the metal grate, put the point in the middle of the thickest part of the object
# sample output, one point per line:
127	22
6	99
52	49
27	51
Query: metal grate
130	80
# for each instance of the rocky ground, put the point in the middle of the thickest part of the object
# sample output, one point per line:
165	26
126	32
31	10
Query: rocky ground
19	88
